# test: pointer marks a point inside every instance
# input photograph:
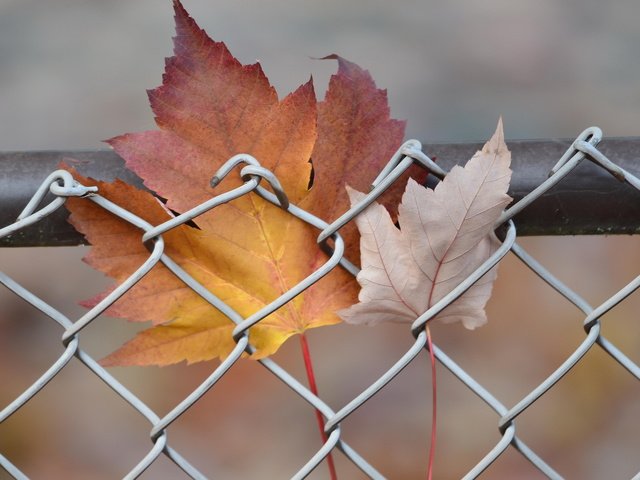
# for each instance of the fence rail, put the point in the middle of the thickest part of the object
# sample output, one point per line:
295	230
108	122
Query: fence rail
613	208
592	189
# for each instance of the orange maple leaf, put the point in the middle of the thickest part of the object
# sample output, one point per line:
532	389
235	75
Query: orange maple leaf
247	252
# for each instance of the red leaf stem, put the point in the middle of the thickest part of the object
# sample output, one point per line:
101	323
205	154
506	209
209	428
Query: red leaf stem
306	354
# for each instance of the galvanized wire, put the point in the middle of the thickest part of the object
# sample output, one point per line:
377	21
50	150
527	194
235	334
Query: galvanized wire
62	185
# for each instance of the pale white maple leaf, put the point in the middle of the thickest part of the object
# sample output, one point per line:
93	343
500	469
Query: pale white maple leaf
445	234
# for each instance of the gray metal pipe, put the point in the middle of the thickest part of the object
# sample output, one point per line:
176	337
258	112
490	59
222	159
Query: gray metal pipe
588	201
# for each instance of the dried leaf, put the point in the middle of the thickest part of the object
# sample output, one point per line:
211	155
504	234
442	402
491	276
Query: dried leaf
445	234
247	252
356	138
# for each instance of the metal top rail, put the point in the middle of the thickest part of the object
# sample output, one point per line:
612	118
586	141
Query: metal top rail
590	201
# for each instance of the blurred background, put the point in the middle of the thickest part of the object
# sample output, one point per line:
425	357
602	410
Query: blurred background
74	72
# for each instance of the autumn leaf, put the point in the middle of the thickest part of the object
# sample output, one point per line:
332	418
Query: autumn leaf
445	234
247	252
356	138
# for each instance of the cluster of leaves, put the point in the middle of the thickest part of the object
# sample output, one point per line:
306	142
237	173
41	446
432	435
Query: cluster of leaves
248	252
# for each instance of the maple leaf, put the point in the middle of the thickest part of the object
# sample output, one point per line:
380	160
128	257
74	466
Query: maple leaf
356	137
445	234
247	252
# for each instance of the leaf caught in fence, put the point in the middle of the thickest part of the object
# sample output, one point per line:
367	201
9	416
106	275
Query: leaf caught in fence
356	138
445	234
247	252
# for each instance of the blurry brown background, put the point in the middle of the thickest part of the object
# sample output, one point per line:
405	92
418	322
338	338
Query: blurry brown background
73	72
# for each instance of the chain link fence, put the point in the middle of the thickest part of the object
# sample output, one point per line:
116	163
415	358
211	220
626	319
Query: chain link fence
62	185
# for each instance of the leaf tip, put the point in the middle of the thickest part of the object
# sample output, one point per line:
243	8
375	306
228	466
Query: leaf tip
496	144
354	195
349	69
190	38
499	133
471	323
179	9
181	16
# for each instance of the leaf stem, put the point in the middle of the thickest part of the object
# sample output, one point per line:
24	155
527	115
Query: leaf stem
434	404
306	354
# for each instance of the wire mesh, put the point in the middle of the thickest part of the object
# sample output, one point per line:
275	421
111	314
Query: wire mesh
62	185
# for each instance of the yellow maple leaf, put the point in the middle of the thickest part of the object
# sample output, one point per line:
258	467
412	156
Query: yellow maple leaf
247	252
